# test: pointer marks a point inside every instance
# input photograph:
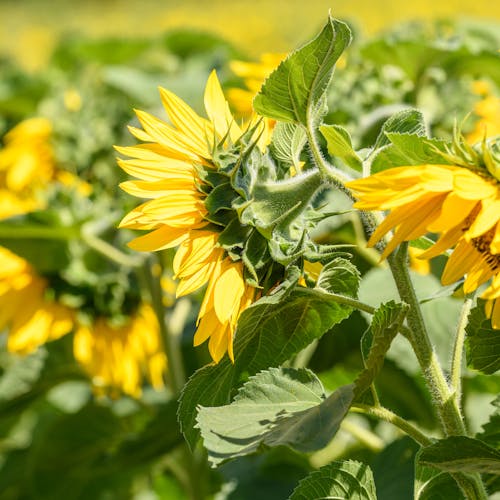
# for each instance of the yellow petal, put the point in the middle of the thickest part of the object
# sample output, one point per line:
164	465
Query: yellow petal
229	290
159	239
218	109
461	260
194	127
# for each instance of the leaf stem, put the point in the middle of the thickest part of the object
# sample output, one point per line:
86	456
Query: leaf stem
458	349
387	415
328	171
109	251
349	301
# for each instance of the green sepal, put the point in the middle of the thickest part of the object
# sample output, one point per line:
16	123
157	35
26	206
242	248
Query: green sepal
221	197
212	178
234	235
278	203
256	255
223	217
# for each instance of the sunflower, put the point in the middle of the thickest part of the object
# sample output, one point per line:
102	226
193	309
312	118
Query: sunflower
26	164
120	356
179	167
253	74
487	111
115	356
462	206
31	318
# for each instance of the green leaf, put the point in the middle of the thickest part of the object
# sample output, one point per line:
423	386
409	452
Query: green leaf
339	144
409	149
408	121
431	484
394	470
294	91
339	276
288	142
386	323
350	479
269	332
281	406
461	454
482	343
491	430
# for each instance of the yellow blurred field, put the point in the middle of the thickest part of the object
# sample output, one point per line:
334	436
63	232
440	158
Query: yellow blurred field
30	27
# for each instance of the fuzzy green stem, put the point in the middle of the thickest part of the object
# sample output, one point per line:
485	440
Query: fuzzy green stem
445	402
349	301
458	349
334	175
388	416
448	412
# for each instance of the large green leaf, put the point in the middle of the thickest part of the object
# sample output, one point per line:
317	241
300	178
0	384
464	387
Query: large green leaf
482	342
294	91
461	454
350	479
269	332
276	407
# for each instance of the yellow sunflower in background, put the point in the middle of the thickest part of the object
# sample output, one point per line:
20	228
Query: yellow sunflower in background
31	318
120	356
26	164
171	166
488	112
461	205
117	358
253	75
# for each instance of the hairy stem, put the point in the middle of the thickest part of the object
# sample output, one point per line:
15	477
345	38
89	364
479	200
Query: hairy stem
458	349
388	416
328	171
444	401
448	412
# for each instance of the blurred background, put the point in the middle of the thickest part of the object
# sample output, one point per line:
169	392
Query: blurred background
30	28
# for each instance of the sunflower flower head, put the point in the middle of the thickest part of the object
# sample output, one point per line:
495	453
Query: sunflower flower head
119	356
459	202
26	164
198	174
